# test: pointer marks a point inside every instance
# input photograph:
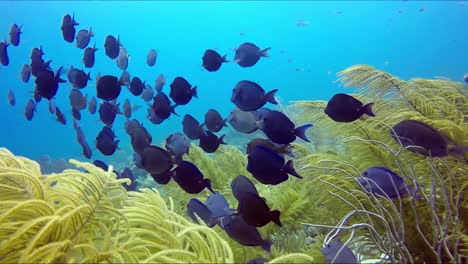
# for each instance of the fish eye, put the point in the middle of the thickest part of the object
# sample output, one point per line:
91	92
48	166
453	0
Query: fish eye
365	173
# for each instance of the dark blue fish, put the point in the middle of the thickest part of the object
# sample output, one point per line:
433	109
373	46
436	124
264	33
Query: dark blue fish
421	138
77	99
385	182
127	173
89	56
127	109
244	122
249	96
78	78
191	127
345	254
92	105
68	28
153	117
248	54
213	121
4	58
112	46
30	110
151	57
209	142
11	98
218	205
47	83
147	93
137	161
108	112
178	145
182	91
159	84
345	108
268	167
108	87
162	106
60	116
195	206
140	139
156	160
281	149
36	96
163	178
87	152
257	261
37	62
105	141
241	185
25	73
76	114
83	37
465	77
101	164
280	129
255	211
136	86
237	229
190	179
15	32
212	61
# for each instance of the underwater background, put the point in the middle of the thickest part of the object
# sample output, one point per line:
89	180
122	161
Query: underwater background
407	57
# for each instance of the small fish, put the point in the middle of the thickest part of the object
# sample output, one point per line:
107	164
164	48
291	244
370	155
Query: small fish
83	37
191	127
136	86
465	77
156	160
255	211
78	78
163	178
422	8
60	116
68	28
385	182
160	81
212	61
237	229
249	96
153	117
47	83
89	56
302	23
147	93
15	32
244	122
209	142
127	173
37	97
77	99
4	58
30	110
76	114
190	179
11	98
112	46
151	57
108	87
140	138
105	141
52	107
241	185
92	105
125	78
337	252
268	167
178	145
101	164
281	130
196	207
218	205
162	106
127	108
108	112
421	138
182	91
122	59
345	108
25	73
248	54
278	148
213	121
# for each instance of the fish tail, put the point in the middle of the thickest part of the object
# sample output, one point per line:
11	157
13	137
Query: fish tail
275	217
226	120
367	109
300	131
47	64
270	96
289	169
89	76
208	185
193	91
90	32
172	109
287	149
223	59
266	245
221	140
458	151
264	53
117	109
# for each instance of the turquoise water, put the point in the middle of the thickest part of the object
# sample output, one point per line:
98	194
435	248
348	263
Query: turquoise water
303	62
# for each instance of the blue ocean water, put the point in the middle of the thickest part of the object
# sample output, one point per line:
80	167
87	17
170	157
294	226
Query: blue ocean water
395	36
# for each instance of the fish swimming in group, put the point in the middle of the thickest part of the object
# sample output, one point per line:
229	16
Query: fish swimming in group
178	145
136	86
151	57
89	56
345	108
29	110
112	46
162	106
213	121
147	93
127	109
280	129
209	142
248	54
190	178
76	114
60	117
159	83
105	142
255	211
68	28
4	58
278	148
78	78
422	138
465	77
92	105
83	37
15	33
122	59
212	61
11	98
337	252
156	160
25	73
241	185
238	230
243	121
182	91
249	96
192	127
108	112
47	83
109	87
